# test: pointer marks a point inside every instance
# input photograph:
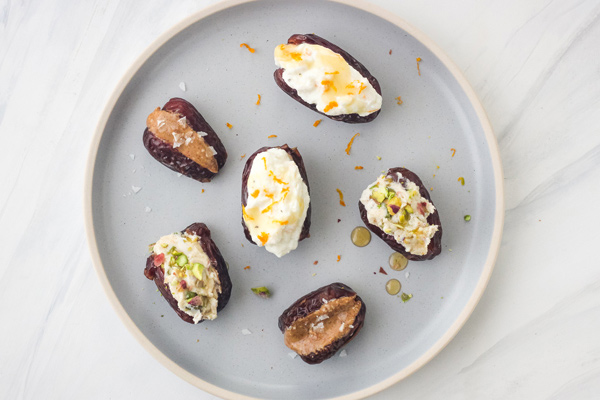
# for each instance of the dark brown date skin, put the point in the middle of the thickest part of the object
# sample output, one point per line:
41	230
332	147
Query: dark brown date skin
312	302
295	154
353	62
435	245
157	274
170	157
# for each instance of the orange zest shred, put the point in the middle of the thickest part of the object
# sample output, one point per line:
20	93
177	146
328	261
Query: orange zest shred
453	152
350	143
247	267
276	179
399	100
281	222
263	237
296	56
202	190
339	258
271	136
268	208
255	193
229	125
265	161
341	198
418	67
359	167
245	214
316	262
328	85
362	87
250	49
350	86
332	73
242	156
461	180
332	104
317	122
258	101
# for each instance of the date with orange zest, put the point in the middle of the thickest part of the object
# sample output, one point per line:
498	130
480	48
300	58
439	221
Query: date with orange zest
276	199
179	137
335	88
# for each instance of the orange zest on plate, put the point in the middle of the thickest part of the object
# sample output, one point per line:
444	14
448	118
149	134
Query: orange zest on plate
242	156
317	122
399	100
229	125
418	67
341	198
350	143
339	258
247	267
453	152
250	49
358	167
271	136
461	180
258	101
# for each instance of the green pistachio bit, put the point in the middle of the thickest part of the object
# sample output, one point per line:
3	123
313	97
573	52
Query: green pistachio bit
182	260
190	295
391	193
409	209
467	218
197	269
406	297
261	291
373	187
164	245
188	267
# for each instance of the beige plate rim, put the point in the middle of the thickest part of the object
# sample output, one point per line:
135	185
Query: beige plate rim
498	213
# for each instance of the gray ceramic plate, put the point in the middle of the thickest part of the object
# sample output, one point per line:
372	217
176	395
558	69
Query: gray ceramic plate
439	112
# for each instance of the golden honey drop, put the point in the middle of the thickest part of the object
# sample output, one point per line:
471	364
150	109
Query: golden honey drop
393	286
360	236
397	261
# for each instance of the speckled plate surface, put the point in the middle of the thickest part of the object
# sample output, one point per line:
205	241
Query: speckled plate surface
440	112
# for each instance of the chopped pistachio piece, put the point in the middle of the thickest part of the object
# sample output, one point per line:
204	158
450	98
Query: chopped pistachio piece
467	218
197	269
182	260
405	297
261	291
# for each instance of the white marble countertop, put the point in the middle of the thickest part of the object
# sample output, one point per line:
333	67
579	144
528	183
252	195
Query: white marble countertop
534	64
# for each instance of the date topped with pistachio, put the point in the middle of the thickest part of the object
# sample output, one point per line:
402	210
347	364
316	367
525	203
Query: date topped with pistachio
325	78
178	137
190	272
320	323
398	209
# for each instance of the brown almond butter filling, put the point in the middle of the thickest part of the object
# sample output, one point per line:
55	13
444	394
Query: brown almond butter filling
326	325
173	129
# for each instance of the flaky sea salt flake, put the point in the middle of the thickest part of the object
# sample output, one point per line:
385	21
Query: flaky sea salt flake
147	209
343	353
136	189
182	86
246	332
132	156
292	355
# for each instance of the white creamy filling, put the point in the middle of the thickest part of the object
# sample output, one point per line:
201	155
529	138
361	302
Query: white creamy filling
401	211
182	280
277	202
323	78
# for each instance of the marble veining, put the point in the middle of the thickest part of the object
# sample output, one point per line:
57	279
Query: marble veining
534	65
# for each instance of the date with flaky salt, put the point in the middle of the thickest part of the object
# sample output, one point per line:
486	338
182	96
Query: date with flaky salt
190	273
179	137
320	323
325	78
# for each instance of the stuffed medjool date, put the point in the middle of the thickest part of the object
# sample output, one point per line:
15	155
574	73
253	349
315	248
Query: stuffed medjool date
398	209
190	272
275	199
326	79
318	324
179	137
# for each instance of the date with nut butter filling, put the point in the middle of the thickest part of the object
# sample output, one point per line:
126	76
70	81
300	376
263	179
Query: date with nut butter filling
326	79
397	208
317	325
179	137
275	199
190	272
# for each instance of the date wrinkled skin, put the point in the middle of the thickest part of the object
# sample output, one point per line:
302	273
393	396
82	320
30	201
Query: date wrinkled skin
435	245
311	303
317	40
295	154
170	157
157	274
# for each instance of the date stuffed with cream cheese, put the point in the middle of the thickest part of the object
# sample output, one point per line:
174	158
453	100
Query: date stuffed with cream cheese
327	79
190	272
318	324
275	199
179	137
397	208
